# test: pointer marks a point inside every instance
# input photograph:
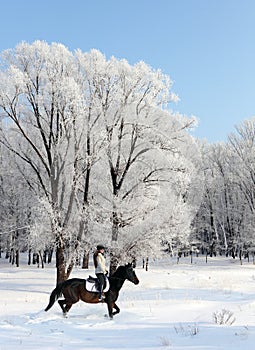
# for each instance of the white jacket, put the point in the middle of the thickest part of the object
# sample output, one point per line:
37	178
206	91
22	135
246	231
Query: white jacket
101	268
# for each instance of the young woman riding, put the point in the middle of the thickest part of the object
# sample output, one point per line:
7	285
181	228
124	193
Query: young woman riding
100	269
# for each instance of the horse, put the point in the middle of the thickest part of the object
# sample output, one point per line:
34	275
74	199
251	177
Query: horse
74	290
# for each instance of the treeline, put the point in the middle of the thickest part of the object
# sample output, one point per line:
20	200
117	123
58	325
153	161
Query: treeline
225	221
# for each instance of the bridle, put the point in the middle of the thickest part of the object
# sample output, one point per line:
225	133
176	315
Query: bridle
123	279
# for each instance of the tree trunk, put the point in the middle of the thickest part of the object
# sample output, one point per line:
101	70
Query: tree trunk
50	254
147	264
114	260
45	252
35	258
29	257
85	260
41	258
60	265
115	224
17	257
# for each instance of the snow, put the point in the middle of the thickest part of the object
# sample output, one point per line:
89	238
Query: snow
173	307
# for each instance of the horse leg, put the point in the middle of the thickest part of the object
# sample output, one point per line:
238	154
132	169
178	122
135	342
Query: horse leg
116	308
71	297
62	305
66	305
112	306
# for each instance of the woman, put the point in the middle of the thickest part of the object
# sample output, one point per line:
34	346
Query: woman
99	262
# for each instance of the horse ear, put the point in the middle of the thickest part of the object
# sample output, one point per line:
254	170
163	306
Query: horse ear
129	265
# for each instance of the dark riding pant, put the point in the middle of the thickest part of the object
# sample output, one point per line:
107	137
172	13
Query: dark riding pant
101	282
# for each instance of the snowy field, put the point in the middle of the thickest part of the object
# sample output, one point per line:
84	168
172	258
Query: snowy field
182	307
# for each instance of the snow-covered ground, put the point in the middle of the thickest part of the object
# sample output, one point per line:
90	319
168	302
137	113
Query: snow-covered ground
174	307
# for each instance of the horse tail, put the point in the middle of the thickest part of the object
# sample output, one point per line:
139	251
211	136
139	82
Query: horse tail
55	294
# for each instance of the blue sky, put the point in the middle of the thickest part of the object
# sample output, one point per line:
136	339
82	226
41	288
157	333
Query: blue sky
207	47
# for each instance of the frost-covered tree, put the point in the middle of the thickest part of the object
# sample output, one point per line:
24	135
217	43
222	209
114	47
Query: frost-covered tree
42	100
107	158
242	146
147	154
214	216
225	221
17	200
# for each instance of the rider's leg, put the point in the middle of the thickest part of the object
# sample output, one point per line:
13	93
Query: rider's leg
100	277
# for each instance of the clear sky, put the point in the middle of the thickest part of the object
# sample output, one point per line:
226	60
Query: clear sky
207	47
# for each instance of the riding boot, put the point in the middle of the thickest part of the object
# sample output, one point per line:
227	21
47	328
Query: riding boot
101	296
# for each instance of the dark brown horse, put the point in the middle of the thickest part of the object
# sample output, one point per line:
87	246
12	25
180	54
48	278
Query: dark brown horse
74	290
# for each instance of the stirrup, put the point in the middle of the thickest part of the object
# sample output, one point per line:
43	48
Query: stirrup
101	297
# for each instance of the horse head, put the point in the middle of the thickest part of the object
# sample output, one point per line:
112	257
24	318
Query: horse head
130	274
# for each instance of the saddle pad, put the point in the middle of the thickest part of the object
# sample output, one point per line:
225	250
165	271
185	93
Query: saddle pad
91	287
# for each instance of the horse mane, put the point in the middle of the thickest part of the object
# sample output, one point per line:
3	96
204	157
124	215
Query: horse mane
119	269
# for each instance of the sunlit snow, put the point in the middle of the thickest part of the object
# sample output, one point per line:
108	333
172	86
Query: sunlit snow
175	306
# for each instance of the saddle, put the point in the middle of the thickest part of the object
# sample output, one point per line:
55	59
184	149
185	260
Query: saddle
91	279
91	284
